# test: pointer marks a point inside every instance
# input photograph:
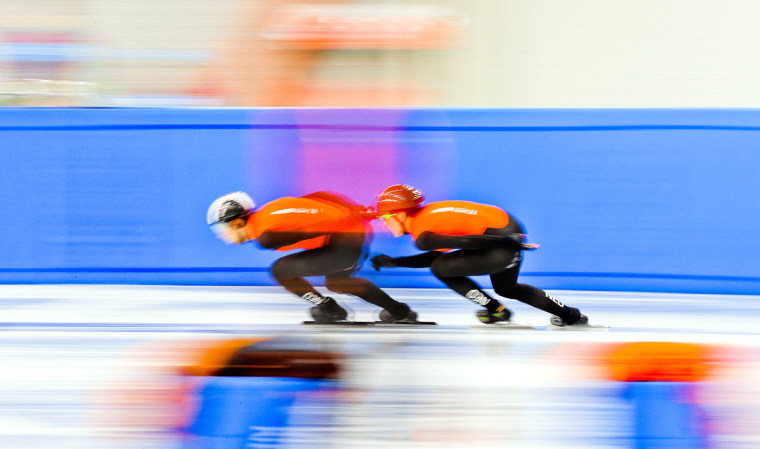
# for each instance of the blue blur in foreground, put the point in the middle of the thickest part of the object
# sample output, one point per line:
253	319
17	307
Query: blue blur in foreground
665	417
239	412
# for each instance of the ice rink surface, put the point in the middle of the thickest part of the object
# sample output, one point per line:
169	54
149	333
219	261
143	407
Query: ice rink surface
83	366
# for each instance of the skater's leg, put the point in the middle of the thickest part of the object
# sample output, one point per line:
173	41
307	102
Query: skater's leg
454	268
367	291
347	255
505	284
290	271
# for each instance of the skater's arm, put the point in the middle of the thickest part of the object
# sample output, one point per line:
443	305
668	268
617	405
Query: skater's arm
430	241
423	260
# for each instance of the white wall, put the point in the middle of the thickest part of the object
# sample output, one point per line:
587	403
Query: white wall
609	53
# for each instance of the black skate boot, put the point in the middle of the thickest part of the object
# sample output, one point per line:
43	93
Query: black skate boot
407	315
582	319
328	312
487	317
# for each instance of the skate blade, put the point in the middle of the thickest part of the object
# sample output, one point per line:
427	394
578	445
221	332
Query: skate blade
503	325
340	323
580	327
416	323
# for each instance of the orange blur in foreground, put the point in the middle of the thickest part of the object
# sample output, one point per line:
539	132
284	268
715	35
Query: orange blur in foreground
660	361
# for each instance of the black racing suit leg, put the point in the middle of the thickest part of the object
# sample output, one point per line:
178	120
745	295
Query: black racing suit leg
345	282
338	260
453	268
505	284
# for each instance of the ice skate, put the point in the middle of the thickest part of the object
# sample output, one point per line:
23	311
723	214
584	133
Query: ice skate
559	322
329	313
487	317
409	318
581	324
501	319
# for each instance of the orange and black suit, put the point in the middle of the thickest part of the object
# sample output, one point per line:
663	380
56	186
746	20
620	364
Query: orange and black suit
464	239
333	233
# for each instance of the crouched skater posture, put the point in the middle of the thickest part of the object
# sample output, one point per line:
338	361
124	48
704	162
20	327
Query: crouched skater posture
463	239
330	230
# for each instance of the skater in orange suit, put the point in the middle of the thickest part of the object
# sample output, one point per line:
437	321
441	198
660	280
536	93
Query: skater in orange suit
332	233
462	239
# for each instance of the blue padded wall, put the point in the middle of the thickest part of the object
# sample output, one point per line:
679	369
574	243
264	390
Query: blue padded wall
650	200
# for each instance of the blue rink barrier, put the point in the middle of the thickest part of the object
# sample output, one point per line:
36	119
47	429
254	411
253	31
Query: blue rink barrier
619	199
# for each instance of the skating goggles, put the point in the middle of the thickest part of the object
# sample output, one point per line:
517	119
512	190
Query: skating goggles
387	217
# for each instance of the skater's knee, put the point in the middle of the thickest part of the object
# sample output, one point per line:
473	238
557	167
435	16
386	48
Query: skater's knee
281	271
440	269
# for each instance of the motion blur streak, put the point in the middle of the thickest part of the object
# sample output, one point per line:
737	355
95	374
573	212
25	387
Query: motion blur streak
373	53
124	367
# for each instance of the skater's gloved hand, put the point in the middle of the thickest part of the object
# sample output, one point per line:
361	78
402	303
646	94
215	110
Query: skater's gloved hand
382	260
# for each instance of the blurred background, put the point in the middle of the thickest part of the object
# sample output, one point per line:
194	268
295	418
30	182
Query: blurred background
447	53
623	135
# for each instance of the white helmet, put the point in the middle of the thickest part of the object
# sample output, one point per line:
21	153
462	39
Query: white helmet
227	208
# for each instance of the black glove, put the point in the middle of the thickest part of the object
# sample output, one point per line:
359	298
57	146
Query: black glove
382	261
